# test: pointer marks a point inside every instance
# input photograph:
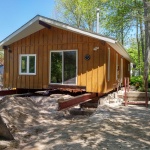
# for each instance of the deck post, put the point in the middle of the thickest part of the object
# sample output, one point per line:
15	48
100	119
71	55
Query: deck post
146	101
125	94
128	84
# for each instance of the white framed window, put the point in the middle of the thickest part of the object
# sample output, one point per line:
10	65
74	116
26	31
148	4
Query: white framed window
27	64
108	67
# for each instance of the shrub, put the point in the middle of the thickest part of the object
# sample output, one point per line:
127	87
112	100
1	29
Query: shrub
138	82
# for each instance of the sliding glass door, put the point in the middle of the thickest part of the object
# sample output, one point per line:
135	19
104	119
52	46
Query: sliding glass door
63	67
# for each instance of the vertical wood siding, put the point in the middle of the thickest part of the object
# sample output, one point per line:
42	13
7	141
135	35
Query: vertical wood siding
91	73
126	72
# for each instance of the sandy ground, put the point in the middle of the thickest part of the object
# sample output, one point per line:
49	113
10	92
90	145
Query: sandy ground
37	125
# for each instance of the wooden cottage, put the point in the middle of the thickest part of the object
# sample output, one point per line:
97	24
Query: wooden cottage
45	53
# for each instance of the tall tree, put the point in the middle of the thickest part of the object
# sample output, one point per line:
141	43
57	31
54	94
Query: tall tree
120	20
147	40
79	13
133	52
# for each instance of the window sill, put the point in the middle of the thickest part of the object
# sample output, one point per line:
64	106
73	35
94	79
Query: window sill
28	74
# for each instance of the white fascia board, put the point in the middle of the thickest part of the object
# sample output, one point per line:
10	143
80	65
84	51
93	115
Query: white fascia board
76	30
33	26
120	49
124	51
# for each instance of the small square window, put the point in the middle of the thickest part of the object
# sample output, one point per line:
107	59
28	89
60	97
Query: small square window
27	64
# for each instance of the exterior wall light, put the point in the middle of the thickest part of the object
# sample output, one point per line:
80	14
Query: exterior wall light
95	48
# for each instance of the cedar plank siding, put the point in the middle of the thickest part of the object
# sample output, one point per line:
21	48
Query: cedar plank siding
126	72
91	73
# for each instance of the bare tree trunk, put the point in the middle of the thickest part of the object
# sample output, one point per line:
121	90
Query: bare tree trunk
147	44
138	44
122	35
142	41
147	47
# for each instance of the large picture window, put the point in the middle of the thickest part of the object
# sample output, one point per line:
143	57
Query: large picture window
63	67
27	64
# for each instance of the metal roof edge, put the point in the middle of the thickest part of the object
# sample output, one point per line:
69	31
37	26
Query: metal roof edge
59	25
126	55
77	30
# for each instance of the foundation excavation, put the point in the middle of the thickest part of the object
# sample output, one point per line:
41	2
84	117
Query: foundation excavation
84	99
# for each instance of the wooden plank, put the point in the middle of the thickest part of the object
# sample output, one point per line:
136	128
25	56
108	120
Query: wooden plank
49	49
5	82
40	62
54	35
75	38
45	36
50	36
100	69
23	78
45	62
36	48
84	64
65	35
60	36
31	78
80	38
111	68
27	51
69	38
114	67
36	77
104	59
40	38
59	47
31	50
15	66
90	68
11	68
119	62
85	39
19	51
80	64
95	69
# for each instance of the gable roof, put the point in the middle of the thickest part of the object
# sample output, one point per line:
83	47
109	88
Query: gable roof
33	26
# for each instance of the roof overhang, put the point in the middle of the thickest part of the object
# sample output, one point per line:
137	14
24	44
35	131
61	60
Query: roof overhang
40	22
121	50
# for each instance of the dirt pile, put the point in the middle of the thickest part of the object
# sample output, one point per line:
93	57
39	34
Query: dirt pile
17	111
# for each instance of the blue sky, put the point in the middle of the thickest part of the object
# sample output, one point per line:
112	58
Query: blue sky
15	13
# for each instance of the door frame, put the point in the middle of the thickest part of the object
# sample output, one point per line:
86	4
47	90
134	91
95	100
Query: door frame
63	67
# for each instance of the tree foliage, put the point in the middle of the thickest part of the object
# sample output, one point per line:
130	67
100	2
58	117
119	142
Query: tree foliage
79	13
133	52
147	40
